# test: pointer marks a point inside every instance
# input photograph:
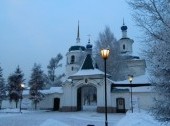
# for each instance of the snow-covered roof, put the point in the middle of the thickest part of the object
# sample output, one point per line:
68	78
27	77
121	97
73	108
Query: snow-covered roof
52	90
134	89
89	72
47	91
143	79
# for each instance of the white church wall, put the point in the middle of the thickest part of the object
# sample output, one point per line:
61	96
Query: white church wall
67	96
72	68
126	45
145	99
48	101
100	95
136	67
109	94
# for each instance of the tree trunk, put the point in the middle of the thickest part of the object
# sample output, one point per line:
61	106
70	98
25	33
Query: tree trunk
16	103
0	104
35	105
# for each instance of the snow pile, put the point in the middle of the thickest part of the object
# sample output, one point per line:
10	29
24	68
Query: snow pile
51	122
138	119
8	110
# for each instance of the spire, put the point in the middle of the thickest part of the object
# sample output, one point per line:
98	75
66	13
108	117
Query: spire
78	34
123	22
124	30
89	38
89	46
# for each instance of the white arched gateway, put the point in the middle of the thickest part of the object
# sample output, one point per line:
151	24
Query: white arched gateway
84	90
87	98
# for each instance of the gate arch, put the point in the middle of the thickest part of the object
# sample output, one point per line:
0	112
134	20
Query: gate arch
87	98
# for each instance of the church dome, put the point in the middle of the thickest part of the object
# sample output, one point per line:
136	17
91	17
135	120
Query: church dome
89	46
124	27
77	47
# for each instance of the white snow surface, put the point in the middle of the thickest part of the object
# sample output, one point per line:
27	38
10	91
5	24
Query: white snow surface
83	118
139	119
52	122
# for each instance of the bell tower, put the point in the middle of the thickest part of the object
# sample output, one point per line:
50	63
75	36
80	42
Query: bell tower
75	56
125	43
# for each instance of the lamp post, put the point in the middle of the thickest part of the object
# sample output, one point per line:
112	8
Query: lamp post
21	89
105	55
130	80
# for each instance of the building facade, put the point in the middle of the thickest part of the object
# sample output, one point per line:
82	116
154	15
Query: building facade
83	88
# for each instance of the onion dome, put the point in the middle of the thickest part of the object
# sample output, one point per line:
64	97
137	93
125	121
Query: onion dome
124	28
89	46
77	47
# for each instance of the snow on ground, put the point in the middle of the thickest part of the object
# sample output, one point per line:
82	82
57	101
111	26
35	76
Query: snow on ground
48	118
141	118
52	122
52	118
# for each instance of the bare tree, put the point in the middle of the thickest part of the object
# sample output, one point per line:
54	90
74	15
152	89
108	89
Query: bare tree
106	39
153	17
53	65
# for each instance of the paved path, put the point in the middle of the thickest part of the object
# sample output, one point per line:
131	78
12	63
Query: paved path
70	118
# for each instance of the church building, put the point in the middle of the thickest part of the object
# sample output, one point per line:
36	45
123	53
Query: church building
83	88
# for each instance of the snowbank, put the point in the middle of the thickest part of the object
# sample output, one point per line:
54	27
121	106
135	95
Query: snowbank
8	110
138	119
52	122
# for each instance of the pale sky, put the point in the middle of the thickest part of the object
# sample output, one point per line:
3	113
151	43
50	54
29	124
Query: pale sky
33	31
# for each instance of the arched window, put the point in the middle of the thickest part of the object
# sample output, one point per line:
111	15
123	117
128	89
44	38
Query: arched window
124	46
72	59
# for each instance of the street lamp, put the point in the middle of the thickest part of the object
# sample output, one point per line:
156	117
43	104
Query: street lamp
130	80
105	55
21	91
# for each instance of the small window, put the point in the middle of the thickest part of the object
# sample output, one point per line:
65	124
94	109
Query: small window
72	68
72	59
124	46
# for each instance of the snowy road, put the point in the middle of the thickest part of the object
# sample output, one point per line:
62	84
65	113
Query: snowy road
70	118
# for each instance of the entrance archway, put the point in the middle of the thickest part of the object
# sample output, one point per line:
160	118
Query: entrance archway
56	104
87	98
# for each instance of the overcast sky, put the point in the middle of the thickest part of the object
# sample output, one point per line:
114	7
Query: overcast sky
33	31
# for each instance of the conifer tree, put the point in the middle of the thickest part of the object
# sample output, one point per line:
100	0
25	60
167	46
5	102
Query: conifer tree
14	85
2	88
36	84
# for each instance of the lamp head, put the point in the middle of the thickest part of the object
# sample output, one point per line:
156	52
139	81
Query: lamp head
105	53
130	78
22	85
